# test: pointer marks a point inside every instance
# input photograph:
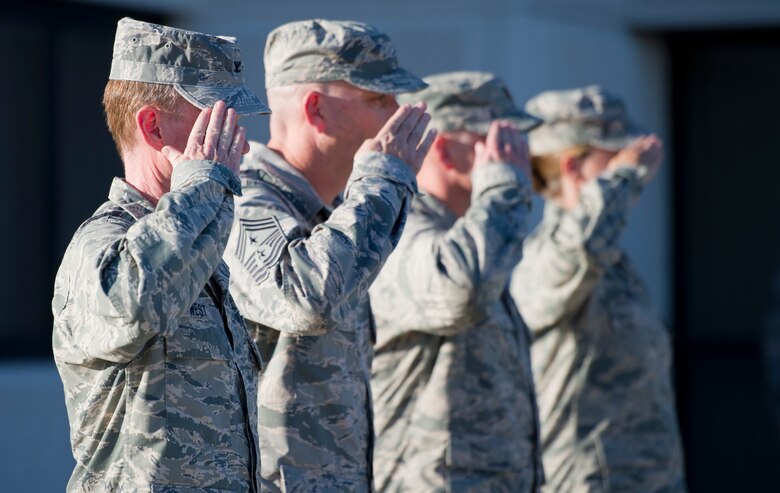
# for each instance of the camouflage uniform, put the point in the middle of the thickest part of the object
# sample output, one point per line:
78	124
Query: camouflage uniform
160	374
601	356
301	272
300	275
452	383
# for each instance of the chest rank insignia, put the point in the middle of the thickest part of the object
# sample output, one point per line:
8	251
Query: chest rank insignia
260	244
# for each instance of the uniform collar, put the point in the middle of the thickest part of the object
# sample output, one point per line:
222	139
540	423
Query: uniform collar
128	198
275	170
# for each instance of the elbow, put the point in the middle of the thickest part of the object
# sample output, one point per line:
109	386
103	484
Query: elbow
289	311
537	321
117	340
146	313
455	314
306	317
307	323
315	306
535	312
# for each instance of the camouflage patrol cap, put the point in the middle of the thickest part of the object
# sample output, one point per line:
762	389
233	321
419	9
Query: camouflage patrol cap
585	116
201	67
469	101
319	50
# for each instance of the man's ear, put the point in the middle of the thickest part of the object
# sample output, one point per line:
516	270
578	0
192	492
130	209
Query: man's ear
147	124
312	110
441	146
571	167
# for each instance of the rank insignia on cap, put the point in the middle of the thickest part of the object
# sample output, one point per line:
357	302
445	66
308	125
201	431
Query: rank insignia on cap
260	244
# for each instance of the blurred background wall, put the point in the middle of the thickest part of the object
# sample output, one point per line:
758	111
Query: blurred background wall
703	74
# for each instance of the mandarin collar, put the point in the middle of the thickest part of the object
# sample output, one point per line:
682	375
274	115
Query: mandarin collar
129	198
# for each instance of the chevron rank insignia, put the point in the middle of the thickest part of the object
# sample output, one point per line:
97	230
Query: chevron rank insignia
260	244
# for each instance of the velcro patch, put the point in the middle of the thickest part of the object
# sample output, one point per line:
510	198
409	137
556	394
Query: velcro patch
260	244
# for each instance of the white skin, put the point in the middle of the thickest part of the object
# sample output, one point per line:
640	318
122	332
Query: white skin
446	172
165	139
576	172
319	128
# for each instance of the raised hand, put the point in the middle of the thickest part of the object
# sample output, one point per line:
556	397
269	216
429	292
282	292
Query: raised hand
215	136
646	151
505	144
401	136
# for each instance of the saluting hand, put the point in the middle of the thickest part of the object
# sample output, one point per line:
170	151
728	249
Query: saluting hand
504	144
401	136
215	136
646	151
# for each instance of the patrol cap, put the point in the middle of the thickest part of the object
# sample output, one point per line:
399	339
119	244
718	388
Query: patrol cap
585	116
201	67
319	50
469	101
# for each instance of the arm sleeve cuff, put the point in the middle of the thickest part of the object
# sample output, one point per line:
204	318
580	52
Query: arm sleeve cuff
633	175
384	166
189	171
492	175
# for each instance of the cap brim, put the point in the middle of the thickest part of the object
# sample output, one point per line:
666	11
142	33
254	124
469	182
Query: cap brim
240	98
524	122
619	142
394	82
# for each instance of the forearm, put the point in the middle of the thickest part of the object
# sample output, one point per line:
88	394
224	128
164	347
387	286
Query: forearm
592	230
495	226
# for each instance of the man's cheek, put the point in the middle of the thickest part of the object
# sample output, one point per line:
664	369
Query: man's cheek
377	123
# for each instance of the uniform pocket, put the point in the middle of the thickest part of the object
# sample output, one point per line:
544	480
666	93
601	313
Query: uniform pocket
200	334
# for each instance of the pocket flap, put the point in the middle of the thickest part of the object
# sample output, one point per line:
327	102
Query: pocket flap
200	334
